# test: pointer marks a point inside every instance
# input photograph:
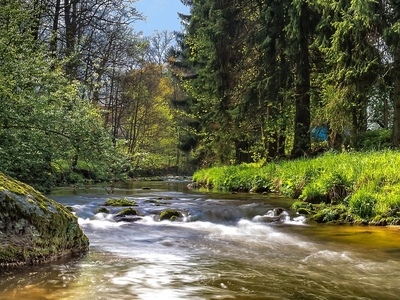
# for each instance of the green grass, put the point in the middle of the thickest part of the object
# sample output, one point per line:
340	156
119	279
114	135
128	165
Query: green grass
352	186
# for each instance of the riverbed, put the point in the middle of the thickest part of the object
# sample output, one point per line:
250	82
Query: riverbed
222	249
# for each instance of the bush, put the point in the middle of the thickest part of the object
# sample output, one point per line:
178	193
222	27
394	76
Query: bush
368	184
373	140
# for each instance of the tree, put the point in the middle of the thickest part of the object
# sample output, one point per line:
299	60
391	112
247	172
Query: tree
353	61
215	39
146	125
42	118
158	45
391	10
270	77
262	74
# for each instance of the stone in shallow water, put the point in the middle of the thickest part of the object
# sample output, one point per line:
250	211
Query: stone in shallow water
33	228
170	214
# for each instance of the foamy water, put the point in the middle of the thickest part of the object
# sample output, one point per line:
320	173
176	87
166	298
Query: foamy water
222	249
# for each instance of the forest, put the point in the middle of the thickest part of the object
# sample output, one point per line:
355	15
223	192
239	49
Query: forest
270	79
83	96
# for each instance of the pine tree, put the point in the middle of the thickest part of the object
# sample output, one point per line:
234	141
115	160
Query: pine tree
391	10
353	61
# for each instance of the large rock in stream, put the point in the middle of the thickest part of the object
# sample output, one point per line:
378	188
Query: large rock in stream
33	228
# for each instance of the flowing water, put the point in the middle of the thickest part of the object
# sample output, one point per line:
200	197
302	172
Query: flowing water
223	249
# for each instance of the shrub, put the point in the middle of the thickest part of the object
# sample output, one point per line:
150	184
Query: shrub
373	140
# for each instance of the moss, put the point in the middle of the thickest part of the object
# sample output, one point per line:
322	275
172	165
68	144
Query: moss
303	211
119	202
170	214
128	212
34	228
318	217
70	208
102	210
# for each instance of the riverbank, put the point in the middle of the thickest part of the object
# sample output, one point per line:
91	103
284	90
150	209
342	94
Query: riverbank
341	188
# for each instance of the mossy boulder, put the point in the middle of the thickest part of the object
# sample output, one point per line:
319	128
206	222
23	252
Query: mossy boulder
170	214
128	212
119	202
127	215
104	210
303	211
33	228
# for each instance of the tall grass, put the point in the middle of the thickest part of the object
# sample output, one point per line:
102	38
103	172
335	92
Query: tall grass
367	184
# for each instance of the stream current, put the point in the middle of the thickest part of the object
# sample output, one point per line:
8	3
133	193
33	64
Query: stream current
221	250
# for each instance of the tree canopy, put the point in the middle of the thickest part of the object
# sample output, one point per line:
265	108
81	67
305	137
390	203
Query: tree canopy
85	95
269	73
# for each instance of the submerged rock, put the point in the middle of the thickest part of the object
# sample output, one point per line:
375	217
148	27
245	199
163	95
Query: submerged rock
33	228
277	214
157	202
193	185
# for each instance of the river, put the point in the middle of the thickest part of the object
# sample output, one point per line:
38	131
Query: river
221	250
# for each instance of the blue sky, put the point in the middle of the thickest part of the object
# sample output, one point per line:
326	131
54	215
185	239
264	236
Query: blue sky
160	15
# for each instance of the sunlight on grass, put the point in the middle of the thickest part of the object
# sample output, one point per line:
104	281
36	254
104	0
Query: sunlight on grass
366	184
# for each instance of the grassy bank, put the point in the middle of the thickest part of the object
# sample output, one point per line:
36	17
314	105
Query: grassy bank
350	187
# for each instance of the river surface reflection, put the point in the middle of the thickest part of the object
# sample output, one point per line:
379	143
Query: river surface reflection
220	251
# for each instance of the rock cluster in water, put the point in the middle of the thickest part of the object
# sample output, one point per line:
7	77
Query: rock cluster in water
131	214
33	228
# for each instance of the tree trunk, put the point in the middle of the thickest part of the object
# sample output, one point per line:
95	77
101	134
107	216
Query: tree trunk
396	99
54	29
70	36
385	113
242	152
302	139
359	116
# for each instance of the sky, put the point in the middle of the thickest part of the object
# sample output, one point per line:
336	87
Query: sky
160	15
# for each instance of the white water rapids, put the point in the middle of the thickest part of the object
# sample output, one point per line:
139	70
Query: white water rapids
222	250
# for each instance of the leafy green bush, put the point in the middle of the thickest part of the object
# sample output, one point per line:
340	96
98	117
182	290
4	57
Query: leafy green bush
373	140
368	184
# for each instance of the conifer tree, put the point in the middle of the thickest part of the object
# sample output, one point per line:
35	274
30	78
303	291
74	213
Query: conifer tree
353	61
391	10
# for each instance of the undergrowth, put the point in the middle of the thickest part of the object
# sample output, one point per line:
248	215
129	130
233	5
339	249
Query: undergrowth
340	187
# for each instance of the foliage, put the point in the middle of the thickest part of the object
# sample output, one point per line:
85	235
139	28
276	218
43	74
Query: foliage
84	97
373	140
43	119
70	90
340	187
261	76
362	203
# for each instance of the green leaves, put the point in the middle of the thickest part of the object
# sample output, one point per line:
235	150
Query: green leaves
43	117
